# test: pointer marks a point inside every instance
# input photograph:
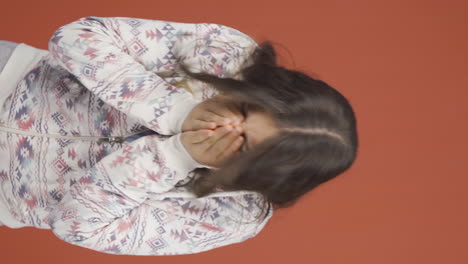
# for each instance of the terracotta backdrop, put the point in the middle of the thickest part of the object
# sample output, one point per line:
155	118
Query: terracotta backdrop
403	66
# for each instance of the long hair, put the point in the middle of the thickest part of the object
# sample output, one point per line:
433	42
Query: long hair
317	139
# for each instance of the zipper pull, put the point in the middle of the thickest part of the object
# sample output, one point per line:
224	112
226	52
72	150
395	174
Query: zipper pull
112	139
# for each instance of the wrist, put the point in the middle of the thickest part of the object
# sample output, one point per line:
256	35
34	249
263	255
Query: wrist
178	155
179	113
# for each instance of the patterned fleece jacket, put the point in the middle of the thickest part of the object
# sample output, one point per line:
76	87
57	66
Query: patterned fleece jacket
68	164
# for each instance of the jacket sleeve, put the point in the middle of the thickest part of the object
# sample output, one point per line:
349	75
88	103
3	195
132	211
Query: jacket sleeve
109	209
122	60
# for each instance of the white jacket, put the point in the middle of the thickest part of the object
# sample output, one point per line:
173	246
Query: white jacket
66	117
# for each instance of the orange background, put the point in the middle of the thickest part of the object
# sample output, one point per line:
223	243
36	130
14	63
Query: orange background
403	66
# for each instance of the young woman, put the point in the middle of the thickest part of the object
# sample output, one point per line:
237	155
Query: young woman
115	138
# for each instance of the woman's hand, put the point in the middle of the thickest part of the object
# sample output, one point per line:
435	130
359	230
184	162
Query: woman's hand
212	147
216	111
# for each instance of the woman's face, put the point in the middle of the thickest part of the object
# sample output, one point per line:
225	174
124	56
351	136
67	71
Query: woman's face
256	126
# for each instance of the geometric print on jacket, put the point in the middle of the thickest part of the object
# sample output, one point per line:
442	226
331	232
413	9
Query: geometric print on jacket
114	77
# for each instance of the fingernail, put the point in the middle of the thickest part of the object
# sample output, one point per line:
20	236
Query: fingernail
226	120
238	128
236	121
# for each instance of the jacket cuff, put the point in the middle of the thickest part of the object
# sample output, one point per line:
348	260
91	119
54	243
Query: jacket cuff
177	156
179	112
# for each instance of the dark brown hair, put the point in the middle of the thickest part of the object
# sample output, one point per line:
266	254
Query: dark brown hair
317	139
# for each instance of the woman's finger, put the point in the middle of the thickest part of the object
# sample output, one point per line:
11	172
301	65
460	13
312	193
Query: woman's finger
233	111
199	136
225	108
209	116
218	134
232	148
226	112
223	143
201	124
